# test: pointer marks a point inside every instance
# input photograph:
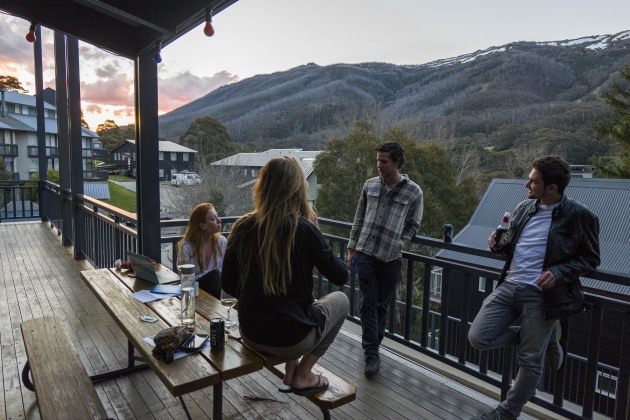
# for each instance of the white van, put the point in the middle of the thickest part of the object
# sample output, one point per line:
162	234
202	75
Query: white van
185	178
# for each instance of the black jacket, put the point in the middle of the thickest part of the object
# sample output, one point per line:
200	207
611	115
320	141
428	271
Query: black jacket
572	251
273	320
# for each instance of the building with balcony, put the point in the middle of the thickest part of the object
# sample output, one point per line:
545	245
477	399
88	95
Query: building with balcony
18	138
244	167
173	158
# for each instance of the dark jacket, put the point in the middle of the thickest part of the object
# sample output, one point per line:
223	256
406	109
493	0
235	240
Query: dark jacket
281	321
572	251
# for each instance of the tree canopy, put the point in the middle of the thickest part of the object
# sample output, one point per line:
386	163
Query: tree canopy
11	83
210	139
617	128
345	164
111	135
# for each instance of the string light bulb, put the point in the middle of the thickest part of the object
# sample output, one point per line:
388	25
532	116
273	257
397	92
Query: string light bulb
30	36
208	29
157	57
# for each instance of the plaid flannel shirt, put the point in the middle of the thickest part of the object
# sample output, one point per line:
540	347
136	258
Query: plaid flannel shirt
384	220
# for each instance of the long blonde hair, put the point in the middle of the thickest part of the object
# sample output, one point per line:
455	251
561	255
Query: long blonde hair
195	235
279	201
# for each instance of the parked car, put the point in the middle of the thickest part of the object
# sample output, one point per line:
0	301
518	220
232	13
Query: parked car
185	178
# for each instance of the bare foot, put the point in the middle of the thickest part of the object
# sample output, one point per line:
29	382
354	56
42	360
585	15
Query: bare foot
289	371
308	381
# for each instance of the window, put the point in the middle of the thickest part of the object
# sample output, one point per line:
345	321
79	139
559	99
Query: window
606	384
436	284
185	156
173	156
482	284
161	173
161	155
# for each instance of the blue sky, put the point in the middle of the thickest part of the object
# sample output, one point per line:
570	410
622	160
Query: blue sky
258	37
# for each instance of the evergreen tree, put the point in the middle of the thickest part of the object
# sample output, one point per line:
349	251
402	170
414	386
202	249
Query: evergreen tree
345	164
111	135
617	128
210	139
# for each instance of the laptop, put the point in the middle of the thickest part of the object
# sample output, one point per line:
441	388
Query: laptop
143	269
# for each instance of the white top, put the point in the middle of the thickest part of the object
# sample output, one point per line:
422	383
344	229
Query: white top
189	251
529	252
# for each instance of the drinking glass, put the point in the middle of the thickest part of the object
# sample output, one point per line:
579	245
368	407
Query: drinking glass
181	261
229	302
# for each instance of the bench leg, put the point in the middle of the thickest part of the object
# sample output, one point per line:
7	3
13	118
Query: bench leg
131	367
26	380
326	413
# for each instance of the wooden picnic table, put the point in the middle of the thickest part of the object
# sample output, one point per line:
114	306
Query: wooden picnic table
199	370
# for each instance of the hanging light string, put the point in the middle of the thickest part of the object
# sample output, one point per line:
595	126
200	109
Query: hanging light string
30	36
208	29
157	57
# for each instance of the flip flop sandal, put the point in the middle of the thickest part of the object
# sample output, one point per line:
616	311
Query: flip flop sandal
307	392
285	389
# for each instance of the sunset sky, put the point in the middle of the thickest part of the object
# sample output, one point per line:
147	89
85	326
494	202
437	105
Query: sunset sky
259	37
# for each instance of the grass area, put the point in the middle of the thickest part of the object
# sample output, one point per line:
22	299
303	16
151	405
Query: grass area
121	197
121	178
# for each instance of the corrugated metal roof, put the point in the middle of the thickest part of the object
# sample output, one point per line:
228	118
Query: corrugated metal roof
169	146
259	159
609	199
98	190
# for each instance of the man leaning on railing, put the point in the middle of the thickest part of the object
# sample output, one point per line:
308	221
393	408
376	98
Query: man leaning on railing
551	241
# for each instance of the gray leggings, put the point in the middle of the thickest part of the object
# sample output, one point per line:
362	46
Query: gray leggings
335	307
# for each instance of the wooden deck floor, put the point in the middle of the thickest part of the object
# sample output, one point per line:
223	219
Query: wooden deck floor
40	277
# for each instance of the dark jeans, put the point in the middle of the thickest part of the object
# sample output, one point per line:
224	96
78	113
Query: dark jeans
377	282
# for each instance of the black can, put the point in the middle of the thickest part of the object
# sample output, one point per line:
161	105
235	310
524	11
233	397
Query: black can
448	233
217	333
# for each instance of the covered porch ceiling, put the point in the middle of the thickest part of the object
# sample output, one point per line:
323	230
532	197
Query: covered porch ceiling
129	28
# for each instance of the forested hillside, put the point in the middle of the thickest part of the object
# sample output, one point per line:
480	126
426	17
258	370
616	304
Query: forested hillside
534	97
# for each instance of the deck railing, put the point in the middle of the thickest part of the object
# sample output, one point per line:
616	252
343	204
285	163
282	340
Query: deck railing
586	384
18	201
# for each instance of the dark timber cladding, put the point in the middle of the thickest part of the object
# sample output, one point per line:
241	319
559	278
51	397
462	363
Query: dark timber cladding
127	28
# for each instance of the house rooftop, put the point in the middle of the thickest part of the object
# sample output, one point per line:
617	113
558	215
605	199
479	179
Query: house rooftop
164	146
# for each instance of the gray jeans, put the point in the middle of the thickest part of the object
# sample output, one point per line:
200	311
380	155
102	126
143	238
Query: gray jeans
335	307
513	315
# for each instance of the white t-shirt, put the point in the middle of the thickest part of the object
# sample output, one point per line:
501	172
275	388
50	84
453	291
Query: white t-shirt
529	252
188	249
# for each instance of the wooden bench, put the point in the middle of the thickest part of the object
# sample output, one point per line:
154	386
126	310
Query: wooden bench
63	387
338	393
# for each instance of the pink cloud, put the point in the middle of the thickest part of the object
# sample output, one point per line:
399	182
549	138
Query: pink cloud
182	88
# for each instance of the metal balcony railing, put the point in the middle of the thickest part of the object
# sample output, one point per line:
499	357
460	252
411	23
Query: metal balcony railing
8	150
96	153
18	201
51	151
584	386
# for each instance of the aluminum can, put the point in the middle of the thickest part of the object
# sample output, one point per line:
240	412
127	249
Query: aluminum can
448	233
217	333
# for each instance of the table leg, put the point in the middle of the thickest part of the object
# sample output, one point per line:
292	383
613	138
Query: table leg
131	367
217	401
181	400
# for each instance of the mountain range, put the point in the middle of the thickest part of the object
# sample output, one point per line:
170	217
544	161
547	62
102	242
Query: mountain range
505	97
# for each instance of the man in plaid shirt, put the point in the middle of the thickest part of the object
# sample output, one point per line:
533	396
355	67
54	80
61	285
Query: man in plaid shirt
388	215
